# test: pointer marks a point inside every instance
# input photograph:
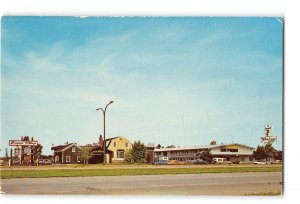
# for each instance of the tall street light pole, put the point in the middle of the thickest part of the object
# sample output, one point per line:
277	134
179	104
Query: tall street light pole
104	142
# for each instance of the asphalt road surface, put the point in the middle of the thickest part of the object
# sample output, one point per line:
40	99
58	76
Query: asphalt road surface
183	184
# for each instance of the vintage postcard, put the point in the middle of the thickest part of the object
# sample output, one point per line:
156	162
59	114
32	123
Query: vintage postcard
142	106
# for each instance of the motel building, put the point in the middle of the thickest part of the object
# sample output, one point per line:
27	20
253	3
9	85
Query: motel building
232	152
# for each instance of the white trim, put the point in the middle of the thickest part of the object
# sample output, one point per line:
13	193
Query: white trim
120	151
71	145
56	159
68	159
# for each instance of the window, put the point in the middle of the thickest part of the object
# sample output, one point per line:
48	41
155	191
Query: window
229	150
56	159
73	149
115	144
126	144
120	154
68	159
78	158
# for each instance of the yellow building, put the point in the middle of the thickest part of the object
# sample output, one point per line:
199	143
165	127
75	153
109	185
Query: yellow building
118	146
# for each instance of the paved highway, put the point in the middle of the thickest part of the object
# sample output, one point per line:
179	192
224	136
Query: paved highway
183	184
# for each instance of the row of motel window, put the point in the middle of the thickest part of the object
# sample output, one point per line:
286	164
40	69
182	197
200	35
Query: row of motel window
189	153
192	158
229	150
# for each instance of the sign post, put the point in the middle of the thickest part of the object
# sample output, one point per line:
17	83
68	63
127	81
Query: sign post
25	147
268	138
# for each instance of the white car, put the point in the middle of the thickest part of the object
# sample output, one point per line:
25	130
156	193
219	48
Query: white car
221	161
260	162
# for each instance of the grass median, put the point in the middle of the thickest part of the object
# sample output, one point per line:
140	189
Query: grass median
45	173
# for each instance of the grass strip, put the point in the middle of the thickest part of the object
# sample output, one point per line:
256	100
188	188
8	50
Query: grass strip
270	193
8	174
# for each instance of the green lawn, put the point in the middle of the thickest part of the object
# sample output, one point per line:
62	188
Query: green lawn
78	172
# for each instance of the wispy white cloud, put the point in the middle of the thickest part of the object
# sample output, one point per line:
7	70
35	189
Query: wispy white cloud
46	61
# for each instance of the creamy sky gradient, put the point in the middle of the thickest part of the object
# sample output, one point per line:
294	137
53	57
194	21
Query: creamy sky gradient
181	81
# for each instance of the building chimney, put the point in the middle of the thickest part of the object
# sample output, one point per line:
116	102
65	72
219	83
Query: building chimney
100	141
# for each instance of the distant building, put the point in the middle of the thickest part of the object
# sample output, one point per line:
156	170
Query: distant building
68	153
232	152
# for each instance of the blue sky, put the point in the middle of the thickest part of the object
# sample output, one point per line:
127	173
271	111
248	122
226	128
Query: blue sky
178	80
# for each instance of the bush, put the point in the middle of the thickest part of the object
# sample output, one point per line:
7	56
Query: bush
128	156
138	152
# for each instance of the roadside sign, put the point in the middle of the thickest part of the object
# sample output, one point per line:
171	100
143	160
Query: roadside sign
22	143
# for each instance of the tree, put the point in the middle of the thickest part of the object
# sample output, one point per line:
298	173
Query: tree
171	146
213	142
158	146
278	155
205	155
37	151
138	152
270	151
128	156
260	153
85	154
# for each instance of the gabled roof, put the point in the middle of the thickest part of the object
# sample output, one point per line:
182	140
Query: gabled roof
61	148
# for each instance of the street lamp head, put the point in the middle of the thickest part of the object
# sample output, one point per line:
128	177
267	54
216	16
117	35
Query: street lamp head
111	101
97	109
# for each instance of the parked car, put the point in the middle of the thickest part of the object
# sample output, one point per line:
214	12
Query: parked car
221	161
160	162
45	161
276	162
198	161
260	162
174	162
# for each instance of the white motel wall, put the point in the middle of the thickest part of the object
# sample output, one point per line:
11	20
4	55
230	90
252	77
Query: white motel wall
232	152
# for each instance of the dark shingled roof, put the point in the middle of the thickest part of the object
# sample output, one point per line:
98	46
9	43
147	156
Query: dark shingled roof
60	147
